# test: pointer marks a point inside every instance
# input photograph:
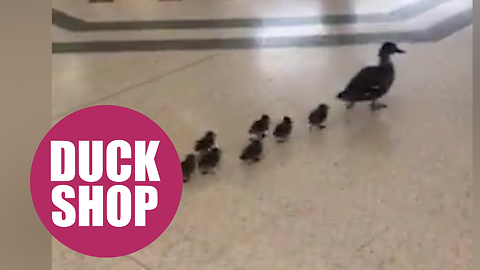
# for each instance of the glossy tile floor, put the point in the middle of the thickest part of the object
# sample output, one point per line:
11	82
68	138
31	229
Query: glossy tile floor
385	190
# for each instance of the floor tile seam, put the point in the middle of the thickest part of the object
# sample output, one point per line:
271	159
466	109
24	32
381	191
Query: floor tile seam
140	84
79	255
138	262
226	250
100	70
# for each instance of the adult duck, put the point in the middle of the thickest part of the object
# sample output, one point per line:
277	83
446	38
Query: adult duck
372	82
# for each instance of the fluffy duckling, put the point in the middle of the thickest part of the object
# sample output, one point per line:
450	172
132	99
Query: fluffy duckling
209	160
318	116
259	128
283	130
206	142
188	167
252	152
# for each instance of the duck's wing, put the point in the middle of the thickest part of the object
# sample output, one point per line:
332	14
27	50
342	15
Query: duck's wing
254	127
366	78
312	118
363	85
368	94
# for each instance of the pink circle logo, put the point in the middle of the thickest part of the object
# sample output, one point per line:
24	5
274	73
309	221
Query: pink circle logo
106	181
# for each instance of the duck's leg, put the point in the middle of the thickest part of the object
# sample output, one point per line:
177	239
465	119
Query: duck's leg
375	106
350	105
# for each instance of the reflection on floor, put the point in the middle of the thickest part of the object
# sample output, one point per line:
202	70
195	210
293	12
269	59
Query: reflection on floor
389	190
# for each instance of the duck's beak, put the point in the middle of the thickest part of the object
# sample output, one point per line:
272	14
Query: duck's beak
400	51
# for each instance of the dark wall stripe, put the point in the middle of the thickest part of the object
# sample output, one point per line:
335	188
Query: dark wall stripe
432	34
99	1
65	21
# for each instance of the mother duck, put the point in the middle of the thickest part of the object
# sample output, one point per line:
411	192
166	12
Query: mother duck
372	82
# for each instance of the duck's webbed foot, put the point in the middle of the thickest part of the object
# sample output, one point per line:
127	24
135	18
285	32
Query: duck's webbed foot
375	106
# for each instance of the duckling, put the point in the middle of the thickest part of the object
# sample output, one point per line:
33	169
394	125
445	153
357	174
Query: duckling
209	160
283	130
372	82
206	142
188	167
259	128
318	116
252	152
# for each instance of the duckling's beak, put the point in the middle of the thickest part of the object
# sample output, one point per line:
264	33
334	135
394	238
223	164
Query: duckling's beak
400	51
